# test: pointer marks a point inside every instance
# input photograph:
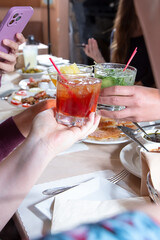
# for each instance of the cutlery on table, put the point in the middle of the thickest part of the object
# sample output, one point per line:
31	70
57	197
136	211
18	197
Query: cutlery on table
137	125
5	96
57	190
132	136
136	131
114	179
151	125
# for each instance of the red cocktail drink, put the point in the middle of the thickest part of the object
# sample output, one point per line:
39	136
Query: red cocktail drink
76	98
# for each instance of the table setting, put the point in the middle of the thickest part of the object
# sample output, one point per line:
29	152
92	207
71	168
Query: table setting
95	178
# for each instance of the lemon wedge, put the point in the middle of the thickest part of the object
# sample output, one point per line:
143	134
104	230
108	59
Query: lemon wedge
70	69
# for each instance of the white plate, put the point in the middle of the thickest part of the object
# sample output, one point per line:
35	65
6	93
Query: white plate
29	93
131	160
110	141
44	60
34	75
115	141
23	84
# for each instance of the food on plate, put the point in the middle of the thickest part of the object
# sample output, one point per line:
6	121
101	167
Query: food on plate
26	105
27	98
33	83
15	102
36	98
31	70
70	69
153	136
107	129
21	93
156	150
105	134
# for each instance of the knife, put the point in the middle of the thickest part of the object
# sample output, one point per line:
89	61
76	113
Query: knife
131	136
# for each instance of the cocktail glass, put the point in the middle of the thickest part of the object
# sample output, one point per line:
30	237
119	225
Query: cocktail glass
77	97
112	74
84	70
53	75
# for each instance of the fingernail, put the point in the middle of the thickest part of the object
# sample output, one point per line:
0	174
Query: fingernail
5	41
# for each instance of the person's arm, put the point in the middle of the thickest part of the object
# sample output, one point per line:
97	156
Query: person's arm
142	103
14	130
10	137
21	169
92	50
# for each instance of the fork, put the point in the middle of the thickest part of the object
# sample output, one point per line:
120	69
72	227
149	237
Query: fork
115	179
118	177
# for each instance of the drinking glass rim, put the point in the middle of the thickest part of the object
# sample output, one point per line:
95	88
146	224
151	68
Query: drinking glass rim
51	69
117	65
79	77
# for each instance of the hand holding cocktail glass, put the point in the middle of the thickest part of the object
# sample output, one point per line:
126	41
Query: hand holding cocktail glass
77	96
114	74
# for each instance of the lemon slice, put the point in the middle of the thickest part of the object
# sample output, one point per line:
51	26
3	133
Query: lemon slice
70	69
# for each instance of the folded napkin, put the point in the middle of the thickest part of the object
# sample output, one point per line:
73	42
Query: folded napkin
70	213
150	162
88	202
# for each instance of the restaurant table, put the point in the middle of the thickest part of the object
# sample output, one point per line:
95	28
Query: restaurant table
95	159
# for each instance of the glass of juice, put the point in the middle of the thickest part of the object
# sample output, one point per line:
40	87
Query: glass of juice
77	97
112	74
53	75
30	55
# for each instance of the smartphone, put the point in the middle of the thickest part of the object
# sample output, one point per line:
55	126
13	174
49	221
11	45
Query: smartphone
14	22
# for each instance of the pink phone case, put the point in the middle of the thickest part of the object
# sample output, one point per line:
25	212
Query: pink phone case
14	22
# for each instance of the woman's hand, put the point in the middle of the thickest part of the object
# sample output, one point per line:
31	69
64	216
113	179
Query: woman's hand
24	119
91	50
9	59
56	137
142	103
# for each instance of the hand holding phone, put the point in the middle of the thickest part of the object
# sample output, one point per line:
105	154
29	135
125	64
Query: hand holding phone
14	22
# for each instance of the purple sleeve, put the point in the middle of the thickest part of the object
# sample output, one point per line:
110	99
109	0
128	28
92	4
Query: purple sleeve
10	137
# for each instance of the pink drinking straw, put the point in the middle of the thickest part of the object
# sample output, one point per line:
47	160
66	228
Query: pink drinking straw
134	52
57	69
72	94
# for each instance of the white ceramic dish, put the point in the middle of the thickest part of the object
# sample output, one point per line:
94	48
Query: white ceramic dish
28	93
150	146
150	132
34	75
130	159
23	84
114	141
44	60
109	141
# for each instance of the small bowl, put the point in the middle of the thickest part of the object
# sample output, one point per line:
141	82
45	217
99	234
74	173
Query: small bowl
154	135
151	147
34	75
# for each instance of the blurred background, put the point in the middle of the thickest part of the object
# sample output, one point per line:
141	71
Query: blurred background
64	24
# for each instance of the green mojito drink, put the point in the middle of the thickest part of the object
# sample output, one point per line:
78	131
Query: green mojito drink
112	74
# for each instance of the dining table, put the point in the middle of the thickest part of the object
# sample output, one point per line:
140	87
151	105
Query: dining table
85	160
